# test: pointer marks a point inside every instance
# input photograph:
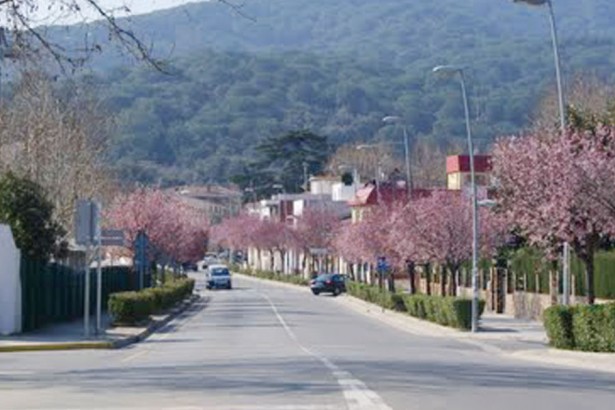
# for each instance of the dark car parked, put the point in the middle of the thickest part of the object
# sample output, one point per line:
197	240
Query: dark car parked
328	283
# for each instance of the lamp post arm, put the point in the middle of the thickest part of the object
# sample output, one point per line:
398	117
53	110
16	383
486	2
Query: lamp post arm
558	69
407	157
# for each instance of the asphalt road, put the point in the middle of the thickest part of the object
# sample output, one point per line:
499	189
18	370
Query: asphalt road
261	346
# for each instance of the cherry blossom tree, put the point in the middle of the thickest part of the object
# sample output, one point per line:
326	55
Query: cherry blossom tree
175	230
273	236
316	228
235	233
559	188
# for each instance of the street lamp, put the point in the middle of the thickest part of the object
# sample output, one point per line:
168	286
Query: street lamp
391	119
562	120
452	70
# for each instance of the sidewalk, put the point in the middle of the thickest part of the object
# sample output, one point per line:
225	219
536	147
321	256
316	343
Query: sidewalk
70	335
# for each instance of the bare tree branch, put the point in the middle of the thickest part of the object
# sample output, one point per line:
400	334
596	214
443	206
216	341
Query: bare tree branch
239	9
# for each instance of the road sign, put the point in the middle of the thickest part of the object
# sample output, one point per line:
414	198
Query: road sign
141	264
87	215
112	237
383	265
319	251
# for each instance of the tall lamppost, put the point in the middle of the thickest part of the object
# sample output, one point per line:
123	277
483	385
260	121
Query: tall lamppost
391	119
458	71
562	120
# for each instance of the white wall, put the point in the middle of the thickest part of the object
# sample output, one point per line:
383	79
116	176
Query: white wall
321	186
10	291
341	192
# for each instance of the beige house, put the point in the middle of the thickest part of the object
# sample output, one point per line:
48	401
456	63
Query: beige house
216	201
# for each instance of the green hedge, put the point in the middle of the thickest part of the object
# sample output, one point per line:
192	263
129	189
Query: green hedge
587	328
375	295
558	325
294	279
446	311
133	307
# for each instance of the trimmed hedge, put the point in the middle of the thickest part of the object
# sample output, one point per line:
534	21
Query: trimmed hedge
558	325
375	295
134	307
447	311
294	279
589	328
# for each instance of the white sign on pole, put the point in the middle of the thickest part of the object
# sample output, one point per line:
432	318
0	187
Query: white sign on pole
112	237
319	251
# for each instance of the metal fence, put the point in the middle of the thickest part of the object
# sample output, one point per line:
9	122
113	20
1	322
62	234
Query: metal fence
53	293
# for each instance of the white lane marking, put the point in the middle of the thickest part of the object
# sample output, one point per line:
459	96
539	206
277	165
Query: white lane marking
16	372
356	393
135	355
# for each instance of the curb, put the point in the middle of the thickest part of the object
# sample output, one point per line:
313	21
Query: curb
46	347
572	359
103	344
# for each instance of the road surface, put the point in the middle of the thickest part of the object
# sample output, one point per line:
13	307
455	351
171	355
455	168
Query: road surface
264	347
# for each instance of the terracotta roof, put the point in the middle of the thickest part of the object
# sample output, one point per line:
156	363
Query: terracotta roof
388	192
461	163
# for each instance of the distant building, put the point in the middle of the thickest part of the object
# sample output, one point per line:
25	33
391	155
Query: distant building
216	201
458	171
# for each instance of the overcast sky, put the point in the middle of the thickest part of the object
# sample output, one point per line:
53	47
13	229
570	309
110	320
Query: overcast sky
50	11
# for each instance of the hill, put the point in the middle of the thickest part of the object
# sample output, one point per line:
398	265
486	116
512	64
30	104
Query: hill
335	67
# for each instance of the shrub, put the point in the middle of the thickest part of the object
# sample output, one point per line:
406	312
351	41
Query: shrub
587	328
558	325
446	311
415	306
592	328
134	307
375	295
131	307
294	279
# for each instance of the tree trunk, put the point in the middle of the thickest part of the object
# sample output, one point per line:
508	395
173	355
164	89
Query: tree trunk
586	254
411	276
391	282
589	277
452	289
553	284
442	281
428	279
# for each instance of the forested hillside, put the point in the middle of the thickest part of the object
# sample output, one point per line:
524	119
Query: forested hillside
336	68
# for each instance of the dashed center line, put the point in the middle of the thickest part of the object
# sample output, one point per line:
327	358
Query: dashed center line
356	393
